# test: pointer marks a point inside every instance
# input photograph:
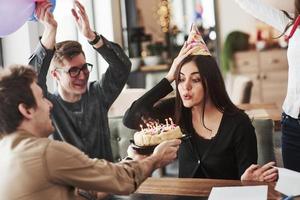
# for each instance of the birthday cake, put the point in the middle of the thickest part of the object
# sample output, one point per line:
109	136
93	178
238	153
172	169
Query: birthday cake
156	133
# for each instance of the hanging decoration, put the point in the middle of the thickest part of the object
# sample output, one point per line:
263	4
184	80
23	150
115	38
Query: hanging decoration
164	14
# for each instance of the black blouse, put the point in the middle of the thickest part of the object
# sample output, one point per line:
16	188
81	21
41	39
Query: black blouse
226	156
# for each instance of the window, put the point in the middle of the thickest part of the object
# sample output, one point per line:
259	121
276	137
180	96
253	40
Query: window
101	19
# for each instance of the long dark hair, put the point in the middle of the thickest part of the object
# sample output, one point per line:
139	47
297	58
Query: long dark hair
296	13
213	86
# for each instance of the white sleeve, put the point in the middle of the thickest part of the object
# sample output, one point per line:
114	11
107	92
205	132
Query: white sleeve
266	13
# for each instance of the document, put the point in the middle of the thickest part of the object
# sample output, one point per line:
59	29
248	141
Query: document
288	182
259	192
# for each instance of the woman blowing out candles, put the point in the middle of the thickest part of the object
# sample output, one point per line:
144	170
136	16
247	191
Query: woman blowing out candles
223	142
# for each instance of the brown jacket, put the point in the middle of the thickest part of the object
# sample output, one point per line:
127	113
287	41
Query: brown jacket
39	168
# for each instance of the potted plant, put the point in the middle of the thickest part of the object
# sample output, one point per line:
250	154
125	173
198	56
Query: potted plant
155	51
235	41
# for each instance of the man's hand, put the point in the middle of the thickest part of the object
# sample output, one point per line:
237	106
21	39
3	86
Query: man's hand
83	24
134	154
266	173
166	152
90	194
47	19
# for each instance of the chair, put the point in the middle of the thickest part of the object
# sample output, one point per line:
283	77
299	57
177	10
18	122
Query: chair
119	137
124	101
119	134
264	130
239	88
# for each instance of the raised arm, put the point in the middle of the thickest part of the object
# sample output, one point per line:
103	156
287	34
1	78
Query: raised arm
185	51
148	106
43	54
116	75
266	13
50	25
83	25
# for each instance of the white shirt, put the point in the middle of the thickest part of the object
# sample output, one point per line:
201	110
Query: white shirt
277	19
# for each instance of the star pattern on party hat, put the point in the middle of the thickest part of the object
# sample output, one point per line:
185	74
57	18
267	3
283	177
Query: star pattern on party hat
195	39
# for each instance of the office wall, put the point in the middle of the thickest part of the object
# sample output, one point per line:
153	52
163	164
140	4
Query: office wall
231	17
18	46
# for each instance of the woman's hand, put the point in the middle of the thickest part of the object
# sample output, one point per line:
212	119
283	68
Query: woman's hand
266	173
185	51
269	172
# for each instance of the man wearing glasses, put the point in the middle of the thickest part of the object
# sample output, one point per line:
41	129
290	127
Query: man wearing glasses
80	107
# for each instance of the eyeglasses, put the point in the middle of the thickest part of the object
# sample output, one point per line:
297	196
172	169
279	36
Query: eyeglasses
75	70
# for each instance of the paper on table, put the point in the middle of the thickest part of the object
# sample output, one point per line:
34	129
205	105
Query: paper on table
288	182
259	192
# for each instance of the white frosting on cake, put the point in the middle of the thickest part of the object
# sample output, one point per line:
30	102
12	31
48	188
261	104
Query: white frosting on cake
156	135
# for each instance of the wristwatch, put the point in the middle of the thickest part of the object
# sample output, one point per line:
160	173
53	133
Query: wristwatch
96	40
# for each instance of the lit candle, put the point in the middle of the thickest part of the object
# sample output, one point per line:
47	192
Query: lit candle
152	125
148	126
171	121
167	122
141	126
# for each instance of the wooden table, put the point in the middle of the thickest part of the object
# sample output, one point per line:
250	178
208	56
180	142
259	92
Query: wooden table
263	111
189	188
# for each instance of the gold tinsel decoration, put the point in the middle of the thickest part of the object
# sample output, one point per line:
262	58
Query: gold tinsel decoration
164	14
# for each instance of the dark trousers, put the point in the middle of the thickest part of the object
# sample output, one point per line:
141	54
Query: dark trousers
290	142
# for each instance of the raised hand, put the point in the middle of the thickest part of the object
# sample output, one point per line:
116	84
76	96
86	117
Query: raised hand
45	16
82	21
47	19
185	51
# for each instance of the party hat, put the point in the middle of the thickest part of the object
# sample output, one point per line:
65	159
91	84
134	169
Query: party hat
196	39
